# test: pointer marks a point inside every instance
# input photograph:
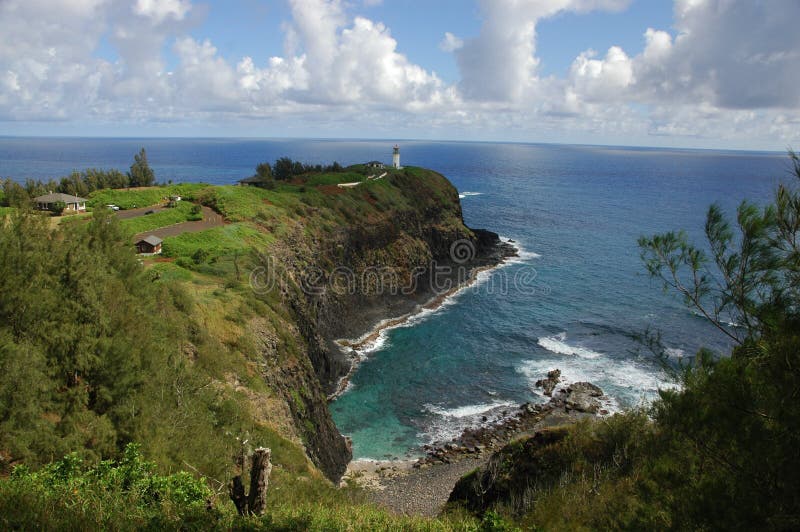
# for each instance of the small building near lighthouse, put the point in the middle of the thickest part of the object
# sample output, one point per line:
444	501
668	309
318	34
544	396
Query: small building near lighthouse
396	157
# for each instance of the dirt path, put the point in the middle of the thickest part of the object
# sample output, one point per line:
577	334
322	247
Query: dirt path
210	220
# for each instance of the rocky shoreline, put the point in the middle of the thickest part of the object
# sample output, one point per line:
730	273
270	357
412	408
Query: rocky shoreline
422	487
571	403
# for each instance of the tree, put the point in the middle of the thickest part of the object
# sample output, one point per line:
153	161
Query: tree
74	185
733	431
141	175
14	195
283	169
264	170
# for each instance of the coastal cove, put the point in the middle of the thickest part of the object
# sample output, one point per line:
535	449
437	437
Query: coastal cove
575	212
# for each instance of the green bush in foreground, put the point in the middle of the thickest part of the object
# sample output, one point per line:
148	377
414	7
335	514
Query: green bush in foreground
113	494
128	494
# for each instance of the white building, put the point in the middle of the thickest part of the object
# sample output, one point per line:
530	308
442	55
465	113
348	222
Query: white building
396	157
72	203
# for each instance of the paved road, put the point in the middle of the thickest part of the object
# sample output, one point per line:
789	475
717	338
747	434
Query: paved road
210	219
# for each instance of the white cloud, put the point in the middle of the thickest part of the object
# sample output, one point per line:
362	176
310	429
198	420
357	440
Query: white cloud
725	71
602	80
500	63
450	43
729	55
203	80
338	62
161	10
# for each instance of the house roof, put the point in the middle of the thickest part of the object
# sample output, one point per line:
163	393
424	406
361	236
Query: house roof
253	179
153	240
59	196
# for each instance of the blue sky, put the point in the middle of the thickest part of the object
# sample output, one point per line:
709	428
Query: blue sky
695	73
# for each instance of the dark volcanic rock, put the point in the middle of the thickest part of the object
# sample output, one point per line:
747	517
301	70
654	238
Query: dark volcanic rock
549	384
581	396
585	388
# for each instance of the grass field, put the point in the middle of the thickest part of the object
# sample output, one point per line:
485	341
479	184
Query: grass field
215	242
129	198
334	178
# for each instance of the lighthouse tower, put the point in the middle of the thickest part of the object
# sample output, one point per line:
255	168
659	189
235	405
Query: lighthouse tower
396	157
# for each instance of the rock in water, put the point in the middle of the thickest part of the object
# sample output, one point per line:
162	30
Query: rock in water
580	397
549	384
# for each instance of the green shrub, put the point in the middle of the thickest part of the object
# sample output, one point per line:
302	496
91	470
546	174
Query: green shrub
58	207
195	213
67	494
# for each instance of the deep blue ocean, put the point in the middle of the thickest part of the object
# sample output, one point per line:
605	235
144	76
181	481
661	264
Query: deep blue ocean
575	211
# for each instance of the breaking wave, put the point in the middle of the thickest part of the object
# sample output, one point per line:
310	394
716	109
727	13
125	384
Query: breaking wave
557	344
462	195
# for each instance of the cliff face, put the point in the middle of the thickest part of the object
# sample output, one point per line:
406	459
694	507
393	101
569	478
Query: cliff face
394	255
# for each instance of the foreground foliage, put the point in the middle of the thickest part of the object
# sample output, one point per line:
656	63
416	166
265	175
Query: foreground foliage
129	494
66	494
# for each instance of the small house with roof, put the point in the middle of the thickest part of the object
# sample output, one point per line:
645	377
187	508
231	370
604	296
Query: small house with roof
149	245
254	181
73	203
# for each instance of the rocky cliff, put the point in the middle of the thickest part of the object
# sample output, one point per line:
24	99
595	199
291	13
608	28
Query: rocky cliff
394	248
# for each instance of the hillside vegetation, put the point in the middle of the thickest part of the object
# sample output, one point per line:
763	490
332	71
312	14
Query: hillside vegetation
128	386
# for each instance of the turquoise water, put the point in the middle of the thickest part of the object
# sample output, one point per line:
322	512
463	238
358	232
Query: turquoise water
576	212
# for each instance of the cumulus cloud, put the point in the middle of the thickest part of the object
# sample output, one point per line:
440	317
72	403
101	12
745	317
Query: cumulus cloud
500	63
724	70
602	79
727	54
342	62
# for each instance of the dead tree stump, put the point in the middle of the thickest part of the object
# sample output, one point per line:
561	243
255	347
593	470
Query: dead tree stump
256	502
259	480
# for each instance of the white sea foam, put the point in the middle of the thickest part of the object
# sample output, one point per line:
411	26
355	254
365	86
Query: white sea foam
379	342
625	382
463	195
557	344
468	410
449	423
674	352
523	254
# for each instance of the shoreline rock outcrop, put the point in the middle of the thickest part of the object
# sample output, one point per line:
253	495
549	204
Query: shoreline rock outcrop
514	467
568	405
549	384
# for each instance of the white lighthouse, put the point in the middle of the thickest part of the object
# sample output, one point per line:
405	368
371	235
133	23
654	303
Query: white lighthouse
396	157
